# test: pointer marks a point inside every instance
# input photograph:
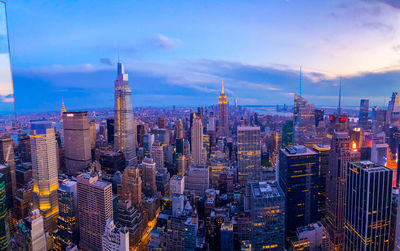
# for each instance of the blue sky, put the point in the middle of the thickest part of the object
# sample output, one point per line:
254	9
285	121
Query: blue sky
177	53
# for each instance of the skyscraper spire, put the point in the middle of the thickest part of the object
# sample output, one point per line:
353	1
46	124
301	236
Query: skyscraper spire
63	107
340	96
223	124
300	82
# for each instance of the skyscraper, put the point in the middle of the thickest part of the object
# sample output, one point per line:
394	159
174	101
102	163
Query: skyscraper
179	129
198	150
131	186
95	208
223	125
67	202
76	141
7	158
363	115
393	114
303	122
340	154
149	177
378	118
249	153
45	172
323	166
4	230
197	179
368	206
110	131
157	154
124	126
266	203
31	234
298	178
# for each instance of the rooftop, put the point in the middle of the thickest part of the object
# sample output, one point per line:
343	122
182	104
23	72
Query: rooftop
265	190
248	128
297	151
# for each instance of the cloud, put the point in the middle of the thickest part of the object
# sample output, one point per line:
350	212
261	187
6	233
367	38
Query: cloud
396	48
7	98
385	28
166	43
393	3
194	82
105	61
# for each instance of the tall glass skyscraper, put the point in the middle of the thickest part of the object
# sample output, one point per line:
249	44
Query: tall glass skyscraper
368	206
124	127
249	153
363	115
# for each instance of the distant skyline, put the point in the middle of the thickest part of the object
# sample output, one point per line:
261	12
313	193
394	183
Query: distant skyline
178	54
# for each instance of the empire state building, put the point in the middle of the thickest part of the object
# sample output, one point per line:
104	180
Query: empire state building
223	126
124	124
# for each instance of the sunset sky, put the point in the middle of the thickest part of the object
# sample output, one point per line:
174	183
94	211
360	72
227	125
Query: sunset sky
177	53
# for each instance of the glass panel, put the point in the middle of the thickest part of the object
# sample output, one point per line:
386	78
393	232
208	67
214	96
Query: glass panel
6	85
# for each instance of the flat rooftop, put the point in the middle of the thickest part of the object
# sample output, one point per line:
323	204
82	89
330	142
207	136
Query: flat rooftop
297	151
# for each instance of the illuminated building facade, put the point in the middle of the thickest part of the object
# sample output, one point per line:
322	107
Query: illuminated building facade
45	172
310	237
124	124
266	203
4	230
67	203
368	206
298	178
76	141
217	164
95	208
340	154
223	125
303	122
249	153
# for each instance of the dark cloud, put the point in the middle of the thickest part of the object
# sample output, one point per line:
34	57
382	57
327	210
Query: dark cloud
392	3
106	61
180	85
